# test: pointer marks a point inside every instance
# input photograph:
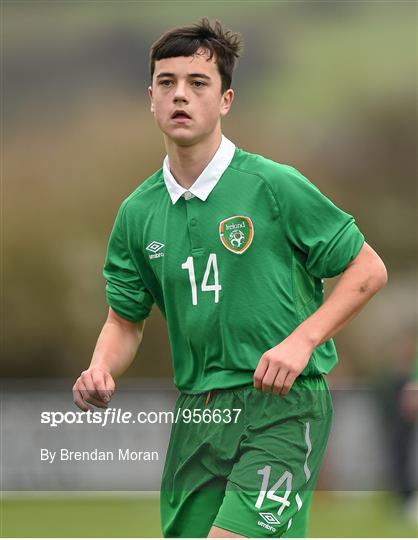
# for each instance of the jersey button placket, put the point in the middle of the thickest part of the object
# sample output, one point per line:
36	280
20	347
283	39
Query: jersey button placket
192	209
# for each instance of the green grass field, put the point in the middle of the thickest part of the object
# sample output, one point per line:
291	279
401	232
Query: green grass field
333	515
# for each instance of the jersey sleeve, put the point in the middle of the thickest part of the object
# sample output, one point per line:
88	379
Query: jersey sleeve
125	290
328	236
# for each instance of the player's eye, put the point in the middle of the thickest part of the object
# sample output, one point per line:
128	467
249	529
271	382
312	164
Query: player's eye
198	84
165	82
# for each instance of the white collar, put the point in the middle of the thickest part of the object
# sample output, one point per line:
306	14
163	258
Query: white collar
207	180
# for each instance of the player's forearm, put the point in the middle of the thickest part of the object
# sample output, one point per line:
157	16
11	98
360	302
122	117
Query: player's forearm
117	346
361	280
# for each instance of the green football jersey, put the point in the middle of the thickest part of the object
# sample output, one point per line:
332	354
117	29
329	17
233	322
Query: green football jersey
233	272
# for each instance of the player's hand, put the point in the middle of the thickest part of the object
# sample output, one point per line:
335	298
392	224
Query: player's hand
278	367
95	386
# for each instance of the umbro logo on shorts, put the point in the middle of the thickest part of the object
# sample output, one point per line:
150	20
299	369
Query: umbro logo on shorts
269	520
155	248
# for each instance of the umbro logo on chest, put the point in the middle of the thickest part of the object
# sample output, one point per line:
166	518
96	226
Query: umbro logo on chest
155	249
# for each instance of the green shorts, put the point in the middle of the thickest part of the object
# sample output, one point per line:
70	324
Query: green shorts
245	461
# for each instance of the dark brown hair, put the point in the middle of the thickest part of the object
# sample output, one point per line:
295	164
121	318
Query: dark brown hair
185	41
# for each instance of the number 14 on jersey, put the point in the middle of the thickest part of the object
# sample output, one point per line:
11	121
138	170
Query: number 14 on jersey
211	264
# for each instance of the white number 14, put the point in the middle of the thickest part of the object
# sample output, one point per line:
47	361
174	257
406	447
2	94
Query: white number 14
286	479
216	287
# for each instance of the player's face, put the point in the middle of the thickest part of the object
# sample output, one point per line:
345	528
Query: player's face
191	84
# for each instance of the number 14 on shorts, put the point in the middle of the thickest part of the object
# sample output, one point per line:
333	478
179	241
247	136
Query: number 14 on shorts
264	493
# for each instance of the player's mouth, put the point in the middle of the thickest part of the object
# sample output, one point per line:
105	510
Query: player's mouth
181	116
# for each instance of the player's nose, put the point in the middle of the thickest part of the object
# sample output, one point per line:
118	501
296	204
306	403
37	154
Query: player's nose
180	93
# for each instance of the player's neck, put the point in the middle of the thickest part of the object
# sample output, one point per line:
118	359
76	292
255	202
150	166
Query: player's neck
188	162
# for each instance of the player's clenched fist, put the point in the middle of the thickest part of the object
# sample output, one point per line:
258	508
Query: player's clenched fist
279	366
95	386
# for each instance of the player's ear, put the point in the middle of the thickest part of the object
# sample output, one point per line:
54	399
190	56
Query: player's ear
227	99
151	98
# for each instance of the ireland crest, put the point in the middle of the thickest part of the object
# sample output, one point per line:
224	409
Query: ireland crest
236	233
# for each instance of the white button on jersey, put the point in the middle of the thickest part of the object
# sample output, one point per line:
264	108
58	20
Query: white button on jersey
187	195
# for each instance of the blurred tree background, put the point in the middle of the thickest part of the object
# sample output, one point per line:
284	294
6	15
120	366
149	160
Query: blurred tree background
328	87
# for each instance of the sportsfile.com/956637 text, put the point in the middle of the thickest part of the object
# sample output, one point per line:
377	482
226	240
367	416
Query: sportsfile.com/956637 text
113	415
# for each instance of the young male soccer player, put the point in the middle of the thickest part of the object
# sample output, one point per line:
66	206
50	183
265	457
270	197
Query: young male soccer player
232	247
